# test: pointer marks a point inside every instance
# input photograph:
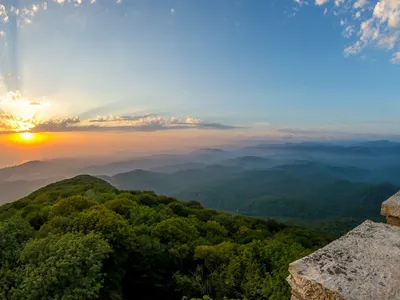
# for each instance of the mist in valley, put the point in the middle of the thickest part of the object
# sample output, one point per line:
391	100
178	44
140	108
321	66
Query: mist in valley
307	183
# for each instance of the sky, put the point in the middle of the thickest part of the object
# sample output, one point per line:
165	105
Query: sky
172	70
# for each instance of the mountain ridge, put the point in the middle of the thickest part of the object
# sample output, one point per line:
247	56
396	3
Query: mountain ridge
117	244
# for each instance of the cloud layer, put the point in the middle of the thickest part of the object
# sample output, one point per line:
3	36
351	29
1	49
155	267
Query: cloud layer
12	124
150	122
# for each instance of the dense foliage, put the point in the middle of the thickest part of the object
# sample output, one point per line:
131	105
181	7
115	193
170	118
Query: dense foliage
83	239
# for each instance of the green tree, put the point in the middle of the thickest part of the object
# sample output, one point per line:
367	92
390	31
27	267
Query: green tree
122	206
70	205
117	231
62	267
14	234
215	232
176	230
144	215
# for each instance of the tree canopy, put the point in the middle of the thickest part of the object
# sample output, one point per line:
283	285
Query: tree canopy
83	239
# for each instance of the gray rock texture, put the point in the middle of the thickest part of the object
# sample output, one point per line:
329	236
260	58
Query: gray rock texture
391	210
364	264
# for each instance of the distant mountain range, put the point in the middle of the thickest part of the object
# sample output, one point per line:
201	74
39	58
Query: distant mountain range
316	183
297	192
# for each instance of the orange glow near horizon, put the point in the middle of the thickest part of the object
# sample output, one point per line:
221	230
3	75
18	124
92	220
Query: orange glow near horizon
108	145
28	138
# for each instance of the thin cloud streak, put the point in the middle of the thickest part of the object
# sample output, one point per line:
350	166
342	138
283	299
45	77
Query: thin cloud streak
149	122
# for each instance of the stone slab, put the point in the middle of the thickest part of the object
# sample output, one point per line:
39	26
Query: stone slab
364	264
391	207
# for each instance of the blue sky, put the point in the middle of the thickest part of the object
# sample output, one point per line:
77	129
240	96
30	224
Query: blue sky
262	64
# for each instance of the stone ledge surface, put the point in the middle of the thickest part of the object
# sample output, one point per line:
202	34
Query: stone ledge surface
391	207
364	264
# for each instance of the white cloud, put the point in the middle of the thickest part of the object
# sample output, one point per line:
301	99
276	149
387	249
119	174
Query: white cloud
395	58
380	29
389	41
348	31
338	2
321	2
301	2
368	23
296	8
387	11
360	3
353	49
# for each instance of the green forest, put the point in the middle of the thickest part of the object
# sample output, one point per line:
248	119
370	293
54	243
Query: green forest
82	238
307	194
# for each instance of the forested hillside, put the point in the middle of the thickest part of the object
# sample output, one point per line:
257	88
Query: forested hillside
333	199
83	239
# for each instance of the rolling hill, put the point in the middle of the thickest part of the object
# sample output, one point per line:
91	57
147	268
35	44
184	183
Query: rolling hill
302	193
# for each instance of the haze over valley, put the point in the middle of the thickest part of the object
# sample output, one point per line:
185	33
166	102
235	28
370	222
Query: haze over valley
328	186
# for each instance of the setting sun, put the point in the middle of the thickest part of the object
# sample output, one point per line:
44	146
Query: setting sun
27	136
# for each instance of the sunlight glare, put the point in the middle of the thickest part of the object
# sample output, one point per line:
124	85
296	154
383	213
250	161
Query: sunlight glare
27	136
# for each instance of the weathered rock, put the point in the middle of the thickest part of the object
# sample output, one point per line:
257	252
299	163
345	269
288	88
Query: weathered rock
393	221
364	264
391	210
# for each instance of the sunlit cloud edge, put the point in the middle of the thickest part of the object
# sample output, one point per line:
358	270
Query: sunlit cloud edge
132	123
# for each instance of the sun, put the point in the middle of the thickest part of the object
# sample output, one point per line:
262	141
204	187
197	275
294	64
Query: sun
27	136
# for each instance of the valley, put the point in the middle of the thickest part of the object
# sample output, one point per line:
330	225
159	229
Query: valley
318	185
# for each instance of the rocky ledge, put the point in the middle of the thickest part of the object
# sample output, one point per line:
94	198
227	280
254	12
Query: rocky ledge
391	210
364	264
